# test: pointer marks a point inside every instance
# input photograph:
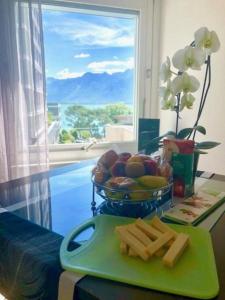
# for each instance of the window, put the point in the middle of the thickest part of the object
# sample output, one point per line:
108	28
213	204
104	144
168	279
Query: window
97	57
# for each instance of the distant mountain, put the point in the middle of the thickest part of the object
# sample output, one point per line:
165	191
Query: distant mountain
92	88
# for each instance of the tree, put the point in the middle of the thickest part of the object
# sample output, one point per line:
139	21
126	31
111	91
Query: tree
117	109
50	118
65	137
93	120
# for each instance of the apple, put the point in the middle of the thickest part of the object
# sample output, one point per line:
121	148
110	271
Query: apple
165	170
150	167
108	158
101	173
118	169
124	156
168	148
134	169
178	187
138	158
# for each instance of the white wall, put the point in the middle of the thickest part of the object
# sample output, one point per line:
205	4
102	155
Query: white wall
179	20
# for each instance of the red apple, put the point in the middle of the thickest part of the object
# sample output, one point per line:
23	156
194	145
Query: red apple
108	158
165	170
150	167
178	187
124	156
118	169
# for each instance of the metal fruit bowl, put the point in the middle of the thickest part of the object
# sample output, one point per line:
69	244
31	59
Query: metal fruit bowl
130	203
130	197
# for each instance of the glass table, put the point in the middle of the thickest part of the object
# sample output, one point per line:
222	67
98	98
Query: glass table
37	211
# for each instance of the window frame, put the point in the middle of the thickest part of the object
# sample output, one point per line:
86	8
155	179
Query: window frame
147	66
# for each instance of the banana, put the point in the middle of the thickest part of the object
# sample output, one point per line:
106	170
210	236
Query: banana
152	182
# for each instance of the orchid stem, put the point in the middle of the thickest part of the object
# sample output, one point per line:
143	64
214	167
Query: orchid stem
177	113
205	91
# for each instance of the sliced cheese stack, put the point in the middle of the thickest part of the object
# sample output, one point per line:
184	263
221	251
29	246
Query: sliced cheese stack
146	240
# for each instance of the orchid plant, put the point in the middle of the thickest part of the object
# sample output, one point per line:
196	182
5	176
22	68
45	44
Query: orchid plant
178	87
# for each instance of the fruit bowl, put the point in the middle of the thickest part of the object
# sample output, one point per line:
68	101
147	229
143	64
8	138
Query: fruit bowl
131	185
131	196
135	203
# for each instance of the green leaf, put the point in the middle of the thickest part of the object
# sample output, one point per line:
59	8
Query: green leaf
206	145
187	131
153	145
159	138
200	129
183	133
200	151
170	133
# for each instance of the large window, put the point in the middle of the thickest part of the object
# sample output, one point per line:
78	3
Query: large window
90	75
98	58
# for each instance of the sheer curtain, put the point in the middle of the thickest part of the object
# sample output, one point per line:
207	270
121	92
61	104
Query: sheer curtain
23	122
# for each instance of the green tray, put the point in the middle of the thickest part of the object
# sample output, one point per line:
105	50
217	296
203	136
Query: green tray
194	275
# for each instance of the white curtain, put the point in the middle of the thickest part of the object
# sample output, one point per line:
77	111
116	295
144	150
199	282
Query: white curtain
23	122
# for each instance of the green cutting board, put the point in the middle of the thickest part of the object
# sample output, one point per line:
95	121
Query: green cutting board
194	275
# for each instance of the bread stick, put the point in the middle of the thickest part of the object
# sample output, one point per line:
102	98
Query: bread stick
176	250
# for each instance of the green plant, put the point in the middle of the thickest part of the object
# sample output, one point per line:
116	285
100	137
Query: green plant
65	137
182	134
177	92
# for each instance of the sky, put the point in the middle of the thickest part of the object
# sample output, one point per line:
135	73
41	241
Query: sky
77	43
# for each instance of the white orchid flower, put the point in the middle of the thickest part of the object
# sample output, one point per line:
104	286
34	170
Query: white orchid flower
207	39
169	103
185	83
188	57
168	99
187	101
165	72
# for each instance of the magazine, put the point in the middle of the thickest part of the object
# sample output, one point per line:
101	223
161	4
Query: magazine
195	208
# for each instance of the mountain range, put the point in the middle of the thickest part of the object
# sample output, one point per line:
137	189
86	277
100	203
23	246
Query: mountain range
92	88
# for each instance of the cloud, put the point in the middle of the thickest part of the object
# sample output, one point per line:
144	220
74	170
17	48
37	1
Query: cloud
65	73
90	34
82	55
111	66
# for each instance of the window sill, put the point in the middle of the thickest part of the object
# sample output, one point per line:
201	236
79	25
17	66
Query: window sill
62	154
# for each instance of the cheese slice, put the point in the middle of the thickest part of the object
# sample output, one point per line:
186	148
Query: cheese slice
162	227
140	235
161	252
148	229
132	242
176	250
133	229
159	243
132	253
123	248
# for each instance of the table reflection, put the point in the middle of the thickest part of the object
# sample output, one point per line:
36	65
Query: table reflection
58	200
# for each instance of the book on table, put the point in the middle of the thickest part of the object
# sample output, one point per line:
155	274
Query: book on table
195	208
